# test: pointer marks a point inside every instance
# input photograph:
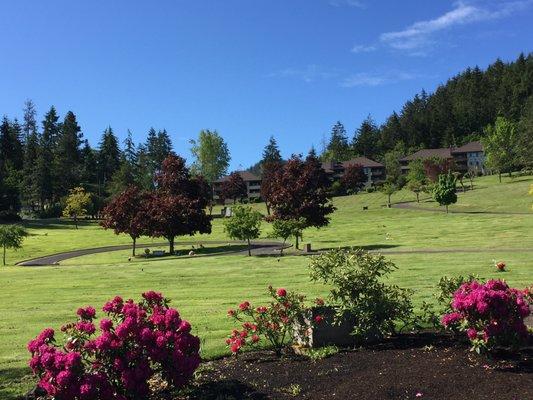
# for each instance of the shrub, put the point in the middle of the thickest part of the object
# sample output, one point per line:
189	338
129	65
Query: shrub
491	314
136	341
9	217
275	323
355	277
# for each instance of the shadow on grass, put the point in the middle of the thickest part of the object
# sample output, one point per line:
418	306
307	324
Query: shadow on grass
15	382
57	223
205	251
366	247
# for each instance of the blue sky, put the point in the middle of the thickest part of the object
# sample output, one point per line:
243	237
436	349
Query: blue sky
248	68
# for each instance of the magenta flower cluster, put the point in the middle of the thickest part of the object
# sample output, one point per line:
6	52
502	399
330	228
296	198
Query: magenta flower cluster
135	342
490	314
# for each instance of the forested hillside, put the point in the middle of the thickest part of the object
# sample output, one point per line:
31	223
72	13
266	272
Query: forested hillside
455	113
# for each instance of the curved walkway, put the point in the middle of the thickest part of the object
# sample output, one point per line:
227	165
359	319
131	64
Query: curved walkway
258	248
411	206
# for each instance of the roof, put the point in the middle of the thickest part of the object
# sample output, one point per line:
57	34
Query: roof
245	175
363	161
469	147
428	153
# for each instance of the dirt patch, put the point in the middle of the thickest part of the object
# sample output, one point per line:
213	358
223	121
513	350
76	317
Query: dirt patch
422	367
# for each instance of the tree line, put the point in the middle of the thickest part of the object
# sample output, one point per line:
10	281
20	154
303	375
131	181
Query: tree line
456	113
41	163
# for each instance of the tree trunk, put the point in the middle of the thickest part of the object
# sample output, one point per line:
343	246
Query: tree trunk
510	173
268	207
389	204
171	245
249	248
500	176
418	198
76	221
297	242
446	208
4	258
133	247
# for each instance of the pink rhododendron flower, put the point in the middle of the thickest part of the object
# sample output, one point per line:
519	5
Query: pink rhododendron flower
149	337
281	292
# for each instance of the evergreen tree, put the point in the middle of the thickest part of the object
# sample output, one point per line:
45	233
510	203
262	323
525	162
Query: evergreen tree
45	181
68	154
88	166
158	147
338	148
366	139
271	152
30	193
108	158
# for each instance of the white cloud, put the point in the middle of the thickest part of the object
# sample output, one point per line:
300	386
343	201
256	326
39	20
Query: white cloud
418	35
375	79
350	3
309	73
359	48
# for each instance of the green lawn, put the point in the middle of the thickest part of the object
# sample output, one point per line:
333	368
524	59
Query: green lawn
204	288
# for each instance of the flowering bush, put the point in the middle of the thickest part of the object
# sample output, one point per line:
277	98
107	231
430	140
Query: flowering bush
136	341
490	314
275	322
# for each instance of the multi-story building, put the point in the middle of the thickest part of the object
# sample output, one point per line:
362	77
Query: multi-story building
465	158
374	171
253	185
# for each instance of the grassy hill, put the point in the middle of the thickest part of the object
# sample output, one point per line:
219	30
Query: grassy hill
424	245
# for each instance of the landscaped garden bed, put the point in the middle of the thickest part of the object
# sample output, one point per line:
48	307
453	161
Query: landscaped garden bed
426	366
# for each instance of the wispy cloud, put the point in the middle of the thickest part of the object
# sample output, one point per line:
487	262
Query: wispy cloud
419	34
377	79
359	48
349	3
309	73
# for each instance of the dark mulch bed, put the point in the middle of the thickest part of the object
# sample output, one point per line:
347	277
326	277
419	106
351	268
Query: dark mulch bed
425	366
430	366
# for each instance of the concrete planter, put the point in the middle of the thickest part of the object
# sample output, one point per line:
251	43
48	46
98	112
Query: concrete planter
327	332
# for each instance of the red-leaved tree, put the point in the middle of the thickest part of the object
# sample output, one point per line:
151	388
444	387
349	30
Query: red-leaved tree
269	171
233	187
126	213
436	166
353	178
177	206
300	192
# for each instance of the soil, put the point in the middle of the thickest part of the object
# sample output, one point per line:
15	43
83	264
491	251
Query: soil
425	366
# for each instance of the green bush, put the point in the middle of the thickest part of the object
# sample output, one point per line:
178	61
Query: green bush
357	287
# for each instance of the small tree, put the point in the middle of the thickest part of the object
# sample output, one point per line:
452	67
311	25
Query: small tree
244	224
501	143
234	187
416	178
444	191
470	175
286	228
389	189
76	204
11	237
126	213
301	190
353	178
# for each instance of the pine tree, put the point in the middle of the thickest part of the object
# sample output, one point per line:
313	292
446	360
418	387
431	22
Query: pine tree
338	148
108	159
366	139
158	147
271	152
68	155
30	193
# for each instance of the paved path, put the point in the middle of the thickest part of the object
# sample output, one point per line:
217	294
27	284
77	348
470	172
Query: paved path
258	248
411	206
